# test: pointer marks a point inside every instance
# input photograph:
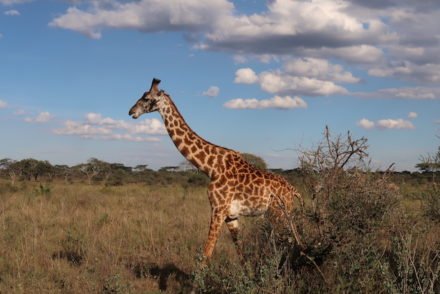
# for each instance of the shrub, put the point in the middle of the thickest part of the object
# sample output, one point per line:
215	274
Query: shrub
431	203
114	285
74	247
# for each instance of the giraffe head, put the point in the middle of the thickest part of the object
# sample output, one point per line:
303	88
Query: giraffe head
148	102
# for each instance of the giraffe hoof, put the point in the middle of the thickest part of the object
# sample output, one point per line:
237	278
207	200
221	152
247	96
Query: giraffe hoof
202	262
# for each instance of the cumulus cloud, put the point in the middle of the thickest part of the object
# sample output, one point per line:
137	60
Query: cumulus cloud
129	137
300	76
82	129
276	102
245	76
96	126
281	83
288	25
284	27
320	69
12	2
361	54
412	115
394	124
429	72
389	38
12	12
3	104
386	124
212	91
42	117
144	15
366	124
416	93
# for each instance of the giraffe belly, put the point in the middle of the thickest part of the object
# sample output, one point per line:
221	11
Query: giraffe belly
244	208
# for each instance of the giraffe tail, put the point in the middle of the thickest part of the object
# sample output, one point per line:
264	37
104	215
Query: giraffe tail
301	200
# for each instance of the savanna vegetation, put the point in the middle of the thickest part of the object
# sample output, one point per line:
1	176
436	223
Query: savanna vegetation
102	227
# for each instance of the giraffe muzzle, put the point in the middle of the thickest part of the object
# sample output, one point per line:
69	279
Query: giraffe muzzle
132	113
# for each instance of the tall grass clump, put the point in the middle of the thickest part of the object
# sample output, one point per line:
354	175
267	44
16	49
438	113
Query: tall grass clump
431	203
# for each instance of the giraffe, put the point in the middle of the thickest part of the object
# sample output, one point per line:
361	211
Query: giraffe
236	188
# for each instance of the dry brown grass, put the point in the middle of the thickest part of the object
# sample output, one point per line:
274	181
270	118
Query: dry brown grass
78	238
88	239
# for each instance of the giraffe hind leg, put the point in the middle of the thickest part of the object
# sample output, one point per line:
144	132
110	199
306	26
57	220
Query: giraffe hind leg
234	229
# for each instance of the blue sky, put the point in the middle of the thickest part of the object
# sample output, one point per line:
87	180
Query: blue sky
257	77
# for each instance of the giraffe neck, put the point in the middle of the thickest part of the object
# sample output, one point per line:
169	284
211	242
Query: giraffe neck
194	148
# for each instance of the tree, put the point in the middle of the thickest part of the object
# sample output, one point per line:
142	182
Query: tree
5	164
42	168
28	167
254	160
63	171
91	169
430	162
12	168
140	168
186	165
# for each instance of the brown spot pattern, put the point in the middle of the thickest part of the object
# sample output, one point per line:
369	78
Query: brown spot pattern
232	178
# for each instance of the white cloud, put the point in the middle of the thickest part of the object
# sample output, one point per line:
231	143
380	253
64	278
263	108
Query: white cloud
366	124
319	68
276	102
42	117
12	12
212	91
82	129
412	115
131	138
386	124
287	25
151	126
245	76
96	126
147	126
239	58
97	119
12	2
388	38
417	93
394	124
300	76
144	15
3	104
362	54
281	83
429	72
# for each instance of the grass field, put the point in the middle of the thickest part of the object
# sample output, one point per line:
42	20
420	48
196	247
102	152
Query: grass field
88	238
135	238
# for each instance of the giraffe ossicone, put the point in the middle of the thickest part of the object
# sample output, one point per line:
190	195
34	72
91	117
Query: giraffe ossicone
236	188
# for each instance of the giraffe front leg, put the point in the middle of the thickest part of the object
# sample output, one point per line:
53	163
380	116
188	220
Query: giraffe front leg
217	219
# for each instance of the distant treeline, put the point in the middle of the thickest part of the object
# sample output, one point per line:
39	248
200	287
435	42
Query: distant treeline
96	171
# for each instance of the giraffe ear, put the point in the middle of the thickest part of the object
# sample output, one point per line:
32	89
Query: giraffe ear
155	86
